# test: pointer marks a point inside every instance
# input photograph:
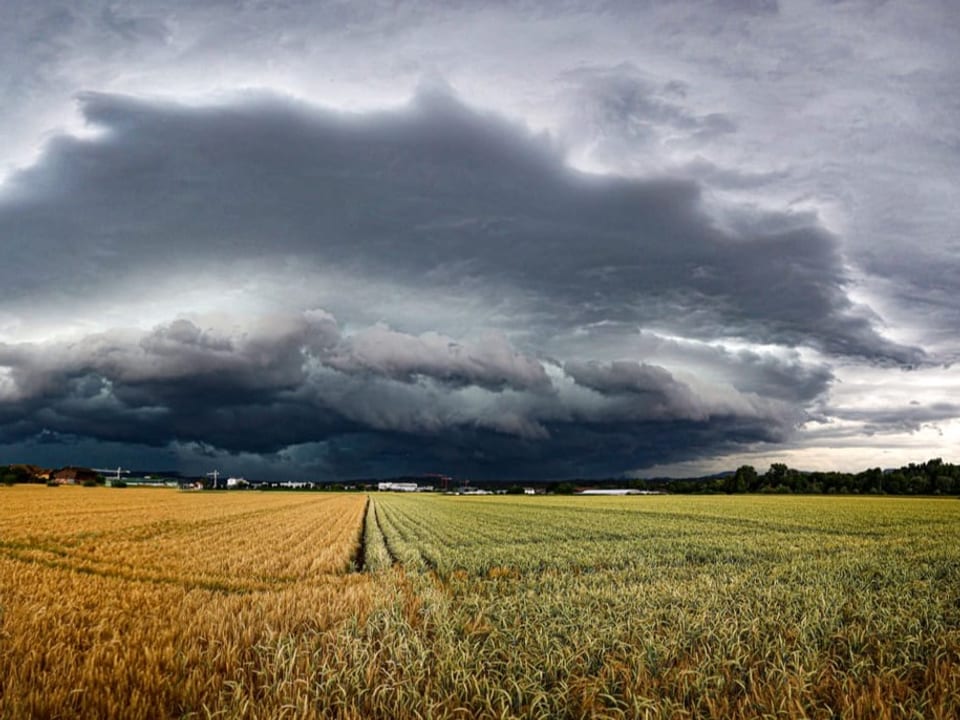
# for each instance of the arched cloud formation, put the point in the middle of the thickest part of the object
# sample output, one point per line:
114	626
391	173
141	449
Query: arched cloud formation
431	201
289	381
433	193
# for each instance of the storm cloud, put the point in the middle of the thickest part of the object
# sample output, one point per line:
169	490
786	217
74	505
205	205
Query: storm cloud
336	242
289	381
434	191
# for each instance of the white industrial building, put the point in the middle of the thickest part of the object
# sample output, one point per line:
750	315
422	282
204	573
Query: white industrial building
397	487
618	491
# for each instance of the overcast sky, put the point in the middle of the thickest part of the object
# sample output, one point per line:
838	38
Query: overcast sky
496	240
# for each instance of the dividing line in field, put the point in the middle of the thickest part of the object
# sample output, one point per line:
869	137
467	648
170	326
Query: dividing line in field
360	556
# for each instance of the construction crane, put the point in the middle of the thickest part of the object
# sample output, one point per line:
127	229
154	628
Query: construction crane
113	471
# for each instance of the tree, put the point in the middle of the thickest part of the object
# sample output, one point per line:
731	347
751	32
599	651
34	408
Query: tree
10	474
776	476
743	480
747	479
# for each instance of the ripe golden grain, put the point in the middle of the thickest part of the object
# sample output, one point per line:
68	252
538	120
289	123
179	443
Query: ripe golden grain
158	604
153	603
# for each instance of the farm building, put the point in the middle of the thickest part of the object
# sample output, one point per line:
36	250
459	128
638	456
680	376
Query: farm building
73	476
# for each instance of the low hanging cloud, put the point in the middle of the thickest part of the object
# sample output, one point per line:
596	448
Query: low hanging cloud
652	388
638	391
490	363
297	381
432	200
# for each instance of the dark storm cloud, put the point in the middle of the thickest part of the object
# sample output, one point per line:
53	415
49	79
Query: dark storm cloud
789	379
652	390
259	388
766	241
436	190
431	199
288	382
595	450
491	364
781	373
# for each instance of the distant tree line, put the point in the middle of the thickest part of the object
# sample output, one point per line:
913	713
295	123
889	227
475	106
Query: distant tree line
933	477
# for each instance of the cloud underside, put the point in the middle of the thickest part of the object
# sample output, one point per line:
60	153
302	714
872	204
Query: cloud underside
373	400
431	201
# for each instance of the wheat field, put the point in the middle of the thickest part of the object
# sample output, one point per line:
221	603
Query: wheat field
156	603
152	603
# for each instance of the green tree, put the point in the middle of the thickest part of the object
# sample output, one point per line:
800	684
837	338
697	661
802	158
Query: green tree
743	480
776	476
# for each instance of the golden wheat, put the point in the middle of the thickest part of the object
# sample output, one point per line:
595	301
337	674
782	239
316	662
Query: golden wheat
153	603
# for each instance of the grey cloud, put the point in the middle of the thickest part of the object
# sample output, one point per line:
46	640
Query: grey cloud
728	178
435	190
898	419
653	388
750	7
260	386
269	387
135	28
641	392
621	107
269	358
620	376
491	363
787	379
782	374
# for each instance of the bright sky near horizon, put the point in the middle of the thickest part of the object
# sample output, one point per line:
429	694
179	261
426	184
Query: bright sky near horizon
496	240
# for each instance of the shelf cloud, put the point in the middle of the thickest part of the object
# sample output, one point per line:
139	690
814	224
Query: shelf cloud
637	259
